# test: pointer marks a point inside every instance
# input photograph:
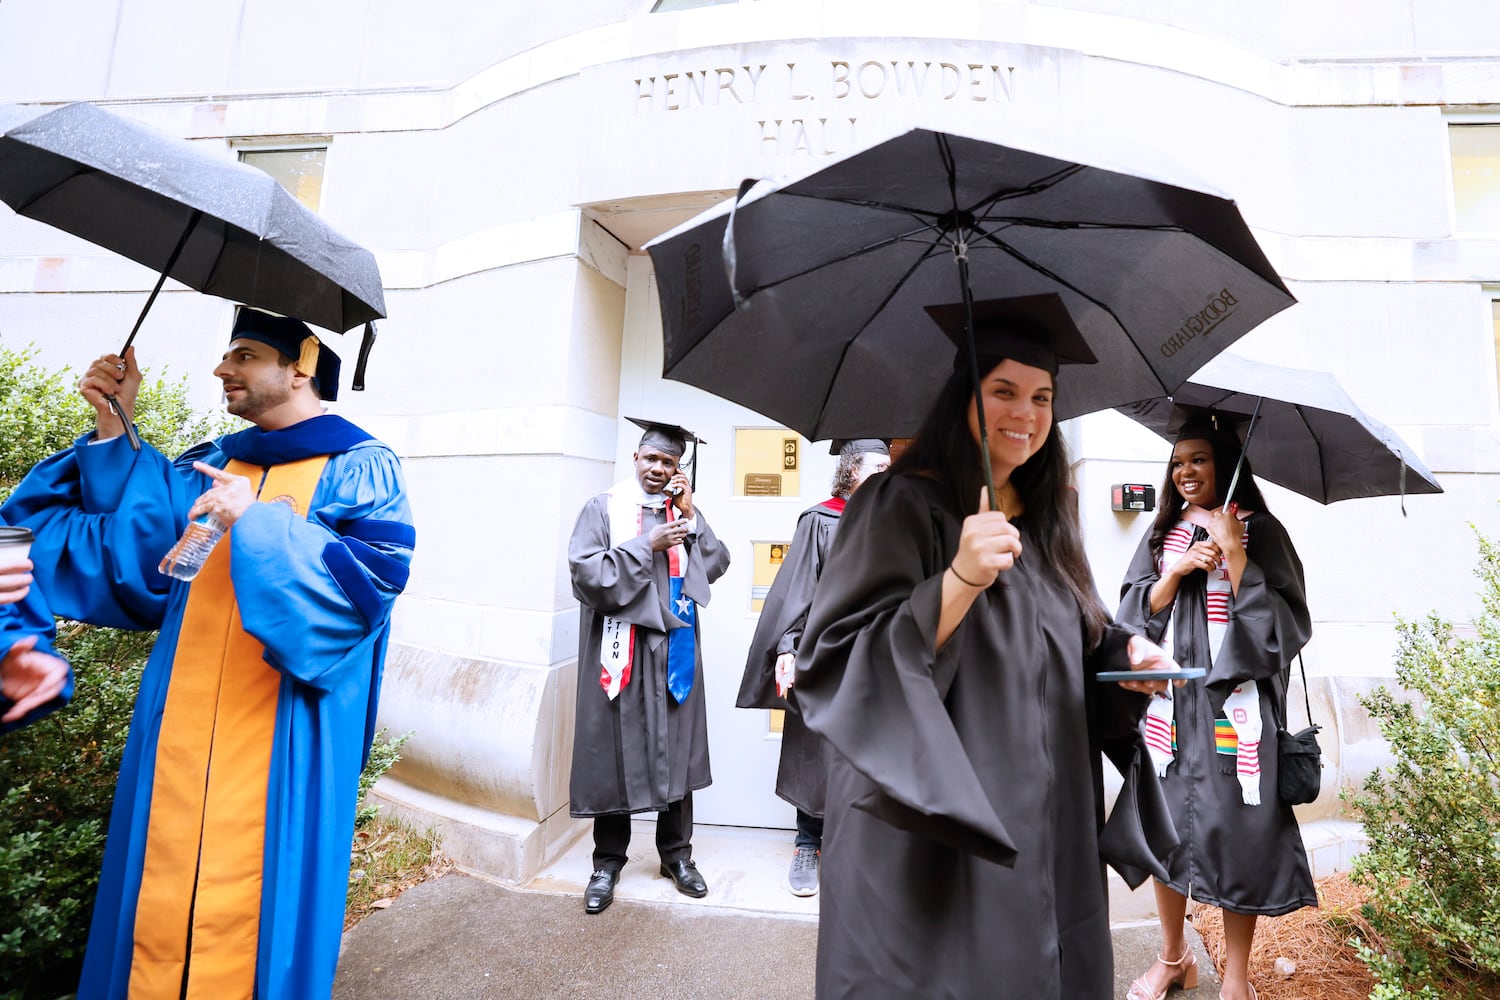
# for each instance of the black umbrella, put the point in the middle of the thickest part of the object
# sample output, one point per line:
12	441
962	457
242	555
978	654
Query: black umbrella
217	226
1300	430
804	300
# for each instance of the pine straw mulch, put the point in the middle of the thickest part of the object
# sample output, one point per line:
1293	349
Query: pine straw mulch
1315	939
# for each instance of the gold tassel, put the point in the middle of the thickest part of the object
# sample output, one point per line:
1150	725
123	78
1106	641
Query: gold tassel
307	361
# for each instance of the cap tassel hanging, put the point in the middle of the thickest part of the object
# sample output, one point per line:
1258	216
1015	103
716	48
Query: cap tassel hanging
367	342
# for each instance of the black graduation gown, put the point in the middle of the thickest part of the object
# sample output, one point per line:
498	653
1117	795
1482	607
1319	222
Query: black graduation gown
961	838
802	777
1246	859
641	751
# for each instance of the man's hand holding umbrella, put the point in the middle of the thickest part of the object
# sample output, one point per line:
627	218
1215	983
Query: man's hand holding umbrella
111	375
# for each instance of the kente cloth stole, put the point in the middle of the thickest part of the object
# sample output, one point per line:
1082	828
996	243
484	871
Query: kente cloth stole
617	647
198	911
1237	732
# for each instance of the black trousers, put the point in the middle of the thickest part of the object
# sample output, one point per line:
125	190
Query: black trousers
674	836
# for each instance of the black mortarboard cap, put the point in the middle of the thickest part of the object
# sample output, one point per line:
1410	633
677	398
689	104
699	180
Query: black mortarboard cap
1035	330
858	446
1191	423
677	436
295	339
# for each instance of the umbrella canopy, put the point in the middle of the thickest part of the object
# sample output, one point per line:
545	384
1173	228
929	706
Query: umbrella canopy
832	272
1308	436
142	192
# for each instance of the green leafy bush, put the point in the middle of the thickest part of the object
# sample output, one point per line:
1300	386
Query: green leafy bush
384	752
41	412
57	777
1433	817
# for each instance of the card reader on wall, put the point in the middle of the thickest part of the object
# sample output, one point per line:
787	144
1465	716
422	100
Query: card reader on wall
1133	497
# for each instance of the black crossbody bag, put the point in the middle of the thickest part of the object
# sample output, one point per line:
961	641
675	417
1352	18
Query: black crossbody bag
1299	759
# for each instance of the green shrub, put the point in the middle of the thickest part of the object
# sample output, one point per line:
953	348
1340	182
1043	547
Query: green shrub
1433	817
57	777
384	752
41	412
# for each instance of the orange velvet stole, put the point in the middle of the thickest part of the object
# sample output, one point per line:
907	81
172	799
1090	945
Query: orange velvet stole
198	912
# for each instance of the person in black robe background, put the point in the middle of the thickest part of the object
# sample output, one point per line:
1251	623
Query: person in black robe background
641	743
953	644
1202	555
802	777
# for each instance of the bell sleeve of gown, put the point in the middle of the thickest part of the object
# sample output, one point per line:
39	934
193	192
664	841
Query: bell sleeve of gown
103	516
872	684
1268	618
783	617
30	617
312	589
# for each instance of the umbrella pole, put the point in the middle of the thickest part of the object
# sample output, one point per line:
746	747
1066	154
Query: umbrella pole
114	404
1239	465
961	254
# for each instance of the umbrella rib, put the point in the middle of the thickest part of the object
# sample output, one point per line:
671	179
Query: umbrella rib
932	249
1035	187
1318	448
1049	273
857	252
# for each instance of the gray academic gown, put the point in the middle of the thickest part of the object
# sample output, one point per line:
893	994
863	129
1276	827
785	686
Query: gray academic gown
802	776
962	844
1246	859
642	751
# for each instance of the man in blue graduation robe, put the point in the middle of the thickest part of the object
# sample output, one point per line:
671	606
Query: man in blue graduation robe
226	865
34	680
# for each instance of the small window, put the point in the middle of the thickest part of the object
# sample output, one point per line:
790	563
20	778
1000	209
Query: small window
765	563
1475	152
298	170
767	462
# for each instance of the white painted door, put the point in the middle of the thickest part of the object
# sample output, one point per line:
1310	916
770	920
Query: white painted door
743	749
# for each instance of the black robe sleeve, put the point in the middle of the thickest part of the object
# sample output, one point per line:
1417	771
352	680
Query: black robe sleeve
872	684
783	616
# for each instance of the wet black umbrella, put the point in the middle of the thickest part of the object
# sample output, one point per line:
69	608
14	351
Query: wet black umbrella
1306	434
217	226
804	300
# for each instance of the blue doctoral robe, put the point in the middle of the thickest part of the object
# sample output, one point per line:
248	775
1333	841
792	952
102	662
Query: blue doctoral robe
316	591
30	616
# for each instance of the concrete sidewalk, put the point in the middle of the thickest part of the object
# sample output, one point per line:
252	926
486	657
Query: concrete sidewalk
467	937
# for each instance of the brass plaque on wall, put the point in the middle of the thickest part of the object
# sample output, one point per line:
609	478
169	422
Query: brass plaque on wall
762	484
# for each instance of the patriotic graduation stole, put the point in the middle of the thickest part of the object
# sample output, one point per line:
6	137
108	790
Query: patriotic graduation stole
626	507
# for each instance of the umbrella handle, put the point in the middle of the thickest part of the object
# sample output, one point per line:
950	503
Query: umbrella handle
130	434
1234	480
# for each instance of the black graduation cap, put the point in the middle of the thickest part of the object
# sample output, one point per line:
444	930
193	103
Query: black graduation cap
295	339
1035	330
669	437
859	446
1188	423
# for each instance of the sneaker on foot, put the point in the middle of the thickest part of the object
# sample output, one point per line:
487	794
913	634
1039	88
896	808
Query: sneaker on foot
802	879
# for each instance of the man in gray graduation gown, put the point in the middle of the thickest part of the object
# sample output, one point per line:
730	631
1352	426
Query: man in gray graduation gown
642	558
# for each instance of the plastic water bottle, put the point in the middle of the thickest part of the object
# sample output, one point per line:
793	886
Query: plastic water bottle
191	551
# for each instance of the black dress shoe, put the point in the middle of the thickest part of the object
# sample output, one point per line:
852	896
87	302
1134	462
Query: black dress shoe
601	890
685	874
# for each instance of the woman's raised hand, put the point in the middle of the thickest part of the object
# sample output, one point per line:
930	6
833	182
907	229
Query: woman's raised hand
988	545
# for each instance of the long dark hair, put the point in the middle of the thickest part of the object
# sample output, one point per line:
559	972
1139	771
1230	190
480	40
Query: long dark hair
1225	445
945	451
